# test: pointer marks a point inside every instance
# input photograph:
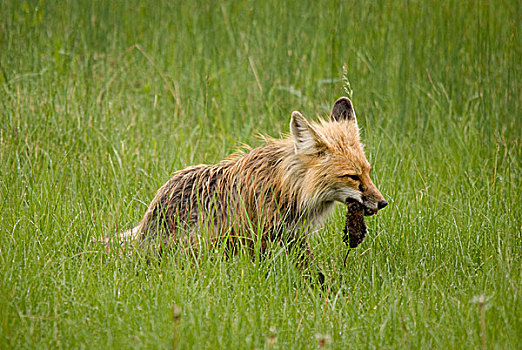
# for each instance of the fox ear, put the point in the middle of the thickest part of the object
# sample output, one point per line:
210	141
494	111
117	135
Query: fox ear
306	138
342	110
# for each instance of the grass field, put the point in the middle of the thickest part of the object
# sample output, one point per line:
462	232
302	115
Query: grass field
101	101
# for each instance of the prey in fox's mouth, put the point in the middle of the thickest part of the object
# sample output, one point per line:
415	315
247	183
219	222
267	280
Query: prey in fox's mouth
355	228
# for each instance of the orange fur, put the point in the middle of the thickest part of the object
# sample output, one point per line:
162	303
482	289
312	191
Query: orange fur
281	191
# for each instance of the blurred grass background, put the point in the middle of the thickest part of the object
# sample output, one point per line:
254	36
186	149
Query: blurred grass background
101	101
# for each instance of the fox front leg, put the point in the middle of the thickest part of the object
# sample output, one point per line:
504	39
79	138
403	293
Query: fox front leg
306	261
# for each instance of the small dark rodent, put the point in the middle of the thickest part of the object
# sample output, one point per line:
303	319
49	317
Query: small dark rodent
355	228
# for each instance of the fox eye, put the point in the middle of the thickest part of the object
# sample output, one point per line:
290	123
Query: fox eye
353	177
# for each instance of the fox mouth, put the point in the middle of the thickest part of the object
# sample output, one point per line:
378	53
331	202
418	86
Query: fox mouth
367	210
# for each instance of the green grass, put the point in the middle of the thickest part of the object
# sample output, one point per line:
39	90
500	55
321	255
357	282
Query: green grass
100	101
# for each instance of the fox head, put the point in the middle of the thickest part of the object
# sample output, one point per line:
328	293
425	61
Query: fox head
332	156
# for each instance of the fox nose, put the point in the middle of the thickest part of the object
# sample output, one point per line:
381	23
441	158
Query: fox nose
382	204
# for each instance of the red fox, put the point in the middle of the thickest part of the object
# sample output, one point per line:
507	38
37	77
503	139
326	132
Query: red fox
281	191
